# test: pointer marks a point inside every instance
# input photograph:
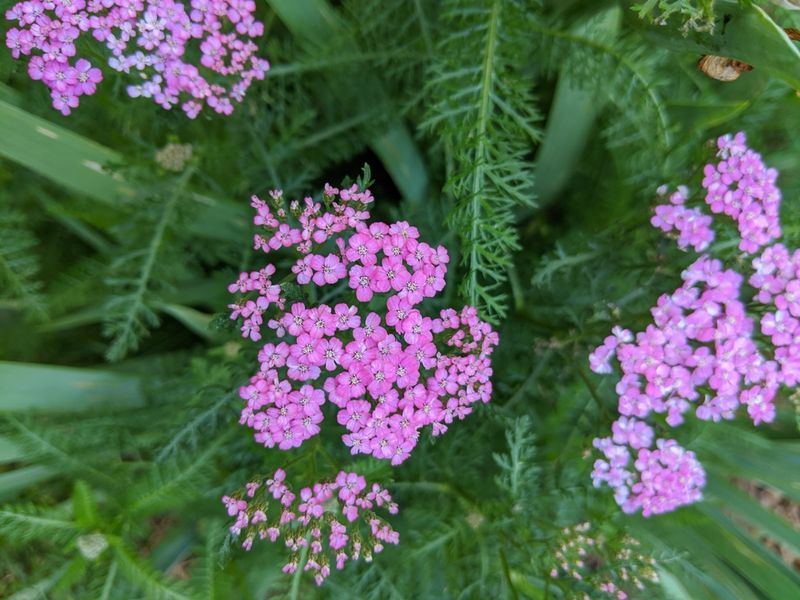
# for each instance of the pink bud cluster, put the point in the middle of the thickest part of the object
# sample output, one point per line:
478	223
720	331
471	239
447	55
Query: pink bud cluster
334	521
577	553
702	350
389	374
150	39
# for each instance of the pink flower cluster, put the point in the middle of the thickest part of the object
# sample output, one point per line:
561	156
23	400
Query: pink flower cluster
329	519
150	38
741	186
389	376
776	277
662	479
692	226
700	349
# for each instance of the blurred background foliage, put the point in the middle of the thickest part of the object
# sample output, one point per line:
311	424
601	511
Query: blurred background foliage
529	138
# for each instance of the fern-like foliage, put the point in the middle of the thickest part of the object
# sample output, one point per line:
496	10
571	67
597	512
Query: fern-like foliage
167	484
209	582
28	522
47	445
625	75
482	107
194	430
43	586
399	37
518	470
142	575
19	264
129	315
135	276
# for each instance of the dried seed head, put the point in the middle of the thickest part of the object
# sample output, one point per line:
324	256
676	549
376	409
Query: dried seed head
173	157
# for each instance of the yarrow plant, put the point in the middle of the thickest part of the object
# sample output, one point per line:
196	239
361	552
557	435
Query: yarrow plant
582	558
335	520
156	41
388	374
702	349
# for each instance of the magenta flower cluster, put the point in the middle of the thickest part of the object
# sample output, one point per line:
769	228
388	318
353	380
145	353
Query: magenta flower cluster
389	374
740	186
691	226
334	520
702	350
153	40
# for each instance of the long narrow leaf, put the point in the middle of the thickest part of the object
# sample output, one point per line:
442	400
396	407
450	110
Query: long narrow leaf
314	21
25	387
59	154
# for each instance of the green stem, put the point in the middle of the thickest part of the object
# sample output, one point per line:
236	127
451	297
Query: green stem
507	575
593	392
328	456
294	592
109	584
118	348
519	393
516	288
484	110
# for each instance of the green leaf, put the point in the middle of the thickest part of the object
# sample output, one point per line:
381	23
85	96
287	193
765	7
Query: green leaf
482	107
59	154
130	311
748	34
84	509
571	119
673	588
209	580
72	575
39	444
10	451
569	124
707	576
753	37
108	584
754	457
313	21
759	566
23	523
26	387
41	587
524	584
195	321
19	264
141	574
175	547
745	507
168	483
218	219
16	480
77	163
702	115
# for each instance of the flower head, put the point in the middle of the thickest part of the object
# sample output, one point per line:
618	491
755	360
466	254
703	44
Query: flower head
349	354
149	39
335	520
699	354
